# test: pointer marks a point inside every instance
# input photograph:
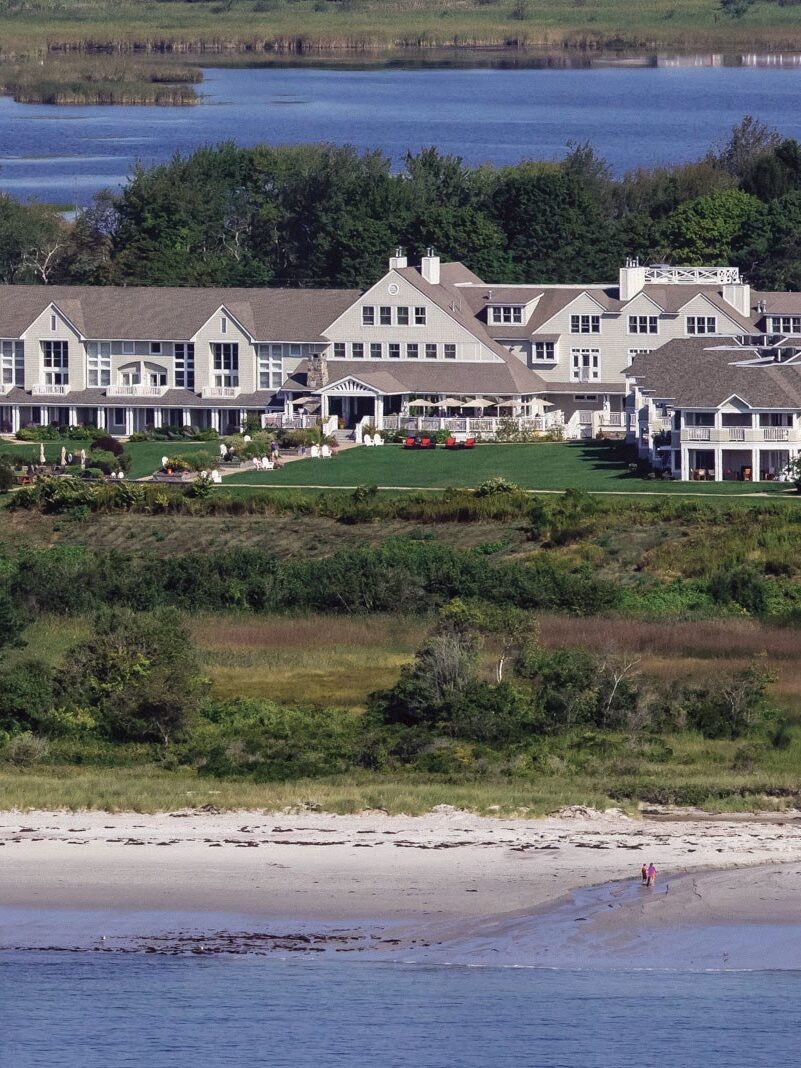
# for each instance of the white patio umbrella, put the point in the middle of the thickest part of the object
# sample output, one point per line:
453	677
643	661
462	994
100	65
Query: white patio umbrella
452	402
479	402
83	459
308	402
41	452
422	404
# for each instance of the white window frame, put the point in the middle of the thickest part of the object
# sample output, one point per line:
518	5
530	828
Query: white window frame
98	364
639	352
376	350
643	324
385	315
449	351
698	320
787	324
223	325
270	366
129	348
12	362
394	350
504	314
184	364
368	315
585	324
429	355
225	361
413	350
155	348
543	357
585	365
56	358
420	315
340	350
357	350
402	315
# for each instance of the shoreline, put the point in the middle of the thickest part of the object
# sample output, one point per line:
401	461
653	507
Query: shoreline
447	888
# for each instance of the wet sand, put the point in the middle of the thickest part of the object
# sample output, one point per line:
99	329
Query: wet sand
559	892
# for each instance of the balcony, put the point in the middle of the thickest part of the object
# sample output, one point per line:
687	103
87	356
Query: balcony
44	390
220	392
135	391
741	434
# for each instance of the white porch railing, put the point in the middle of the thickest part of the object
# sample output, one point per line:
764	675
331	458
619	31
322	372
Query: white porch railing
330	425
43	390
220	392
486	424
135	391
280	420
739	434
776	433
697	433
693	275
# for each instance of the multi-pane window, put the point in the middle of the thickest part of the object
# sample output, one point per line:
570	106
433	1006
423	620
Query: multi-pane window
226	363
357	350
770	419
506	313
339	350
375	350
12	363
185	365
56	362
643	324
385	315
155	348
702	324
431	352
412	351
544	350
450	352
639	352
368	315
98	363
785	324
271	367
420	316
402	316
394	351
585	324
585	365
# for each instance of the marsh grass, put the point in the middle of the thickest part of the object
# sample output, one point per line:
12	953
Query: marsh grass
360	27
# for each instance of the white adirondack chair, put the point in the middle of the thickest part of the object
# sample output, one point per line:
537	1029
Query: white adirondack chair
325	452
315	452
377	439
367	439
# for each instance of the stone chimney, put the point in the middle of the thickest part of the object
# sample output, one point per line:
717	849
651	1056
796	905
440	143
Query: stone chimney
317	374
429	267
398	260
631	279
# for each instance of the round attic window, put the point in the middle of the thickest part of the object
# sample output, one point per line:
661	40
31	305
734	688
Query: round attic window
393	288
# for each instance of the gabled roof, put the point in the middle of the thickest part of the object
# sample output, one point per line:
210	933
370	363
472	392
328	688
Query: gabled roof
163	313
701	373
421	376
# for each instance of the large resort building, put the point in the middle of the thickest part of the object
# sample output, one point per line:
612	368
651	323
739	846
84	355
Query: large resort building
657	355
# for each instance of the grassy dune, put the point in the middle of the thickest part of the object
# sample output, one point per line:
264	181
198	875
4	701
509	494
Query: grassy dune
353	27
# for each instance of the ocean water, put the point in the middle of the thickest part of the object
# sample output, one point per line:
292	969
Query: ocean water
632	115
85	1010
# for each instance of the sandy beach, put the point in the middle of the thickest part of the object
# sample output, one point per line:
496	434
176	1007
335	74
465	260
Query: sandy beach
560	891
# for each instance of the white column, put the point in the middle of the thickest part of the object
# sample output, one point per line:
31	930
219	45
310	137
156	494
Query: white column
755	465
685	464
378	419
324	406
718	465
158	418
129	422
73	416
43	416
15	418
187	417
101	418
243	416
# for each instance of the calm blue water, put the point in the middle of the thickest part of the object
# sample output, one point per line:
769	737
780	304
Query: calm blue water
99	1012
633	116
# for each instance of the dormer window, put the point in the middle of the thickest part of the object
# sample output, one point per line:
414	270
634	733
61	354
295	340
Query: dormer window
506	313
785	324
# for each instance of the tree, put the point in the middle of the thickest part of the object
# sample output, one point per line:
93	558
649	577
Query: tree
26	695
748	140
768	247
138	673
510	628
704	231
32	241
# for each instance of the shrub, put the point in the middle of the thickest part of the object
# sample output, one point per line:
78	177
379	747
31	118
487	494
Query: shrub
106	443
25	750
7	479
26	695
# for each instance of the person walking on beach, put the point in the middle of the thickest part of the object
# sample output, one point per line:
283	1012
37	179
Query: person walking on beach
644	874
651	880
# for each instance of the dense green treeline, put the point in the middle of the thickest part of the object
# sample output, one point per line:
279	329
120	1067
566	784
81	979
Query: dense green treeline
319	215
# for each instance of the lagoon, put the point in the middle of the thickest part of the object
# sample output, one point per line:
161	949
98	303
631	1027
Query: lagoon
633	115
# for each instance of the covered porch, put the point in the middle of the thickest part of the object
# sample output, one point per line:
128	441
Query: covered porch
734	465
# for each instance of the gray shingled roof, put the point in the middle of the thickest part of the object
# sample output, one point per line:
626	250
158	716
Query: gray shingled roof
693	373
171	398
161	313
409	376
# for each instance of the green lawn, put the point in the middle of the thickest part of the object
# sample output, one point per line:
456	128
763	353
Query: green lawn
145	455
547	466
